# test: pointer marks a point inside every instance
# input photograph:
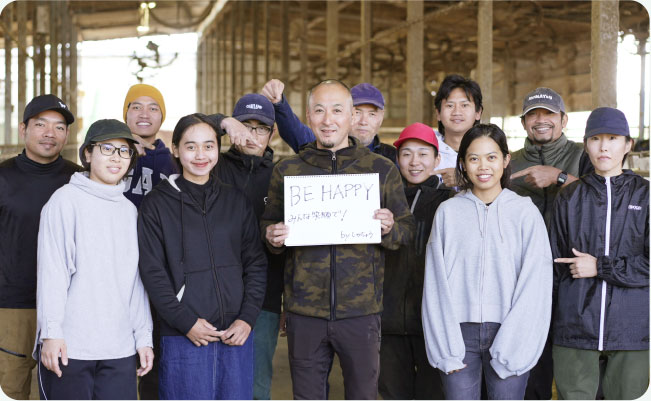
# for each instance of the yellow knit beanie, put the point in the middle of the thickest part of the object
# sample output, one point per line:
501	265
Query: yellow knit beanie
144	90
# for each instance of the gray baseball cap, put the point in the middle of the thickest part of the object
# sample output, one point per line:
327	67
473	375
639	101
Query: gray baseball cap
544	98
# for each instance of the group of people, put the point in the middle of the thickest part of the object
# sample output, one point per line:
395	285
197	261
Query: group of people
496	273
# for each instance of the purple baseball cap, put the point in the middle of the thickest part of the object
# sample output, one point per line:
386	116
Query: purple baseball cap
367	94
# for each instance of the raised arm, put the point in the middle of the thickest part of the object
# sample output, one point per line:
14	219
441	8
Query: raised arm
290	127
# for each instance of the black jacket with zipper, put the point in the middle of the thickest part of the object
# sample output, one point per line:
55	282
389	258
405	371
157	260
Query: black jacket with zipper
404	268
619	294
201	262
251	174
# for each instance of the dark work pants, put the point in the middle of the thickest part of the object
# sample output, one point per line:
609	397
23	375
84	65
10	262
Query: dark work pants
148	384
539	386
111	379
405	372
312	343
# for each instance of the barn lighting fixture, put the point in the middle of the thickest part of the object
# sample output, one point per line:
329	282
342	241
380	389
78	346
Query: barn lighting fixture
143	27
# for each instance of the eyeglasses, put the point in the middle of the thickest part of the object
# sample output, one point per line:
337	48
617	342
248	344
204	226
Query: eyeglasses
260	129
107	149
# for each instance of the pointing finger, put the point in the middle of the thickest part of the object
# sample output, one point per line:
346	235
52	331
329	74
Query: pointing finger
565	260
521	173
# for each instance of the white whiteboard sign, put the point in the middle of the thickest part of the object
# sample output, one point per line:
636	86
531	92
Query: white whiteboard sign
332	209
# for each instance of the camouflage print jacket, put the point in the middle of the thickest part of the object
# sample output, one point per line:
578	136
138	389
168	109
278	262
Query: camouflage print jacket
338	281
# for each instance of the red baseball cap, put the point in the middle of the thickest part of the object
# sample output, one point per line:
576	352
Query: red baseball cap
418	131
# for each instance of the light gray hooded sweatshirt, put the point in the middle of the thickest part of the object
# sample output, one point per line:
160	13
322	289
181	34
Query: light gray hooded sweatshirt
488	264
89	291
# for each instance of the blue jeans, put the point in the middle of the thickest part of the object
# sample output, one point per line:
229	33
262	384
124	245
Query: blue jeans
212	372
264	343
466	383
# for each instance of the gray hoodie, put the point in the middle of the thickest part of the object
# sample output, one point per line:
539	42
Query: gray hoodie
488	264
89	291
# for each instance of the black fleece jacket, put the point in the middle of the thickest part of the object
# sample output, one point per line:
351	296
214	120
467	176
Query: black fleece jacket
201	262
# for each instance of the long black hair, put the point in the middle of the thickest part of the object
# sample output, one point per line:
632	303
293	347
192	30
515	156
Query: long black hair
187	122
493	132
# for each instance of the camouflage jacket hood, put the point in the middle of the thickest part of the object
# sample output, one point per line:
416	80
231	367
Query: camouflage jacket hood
338	281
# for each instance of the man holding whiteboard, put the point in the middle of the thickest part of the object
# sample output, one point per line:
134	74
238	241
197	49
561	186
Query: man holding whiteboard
333	293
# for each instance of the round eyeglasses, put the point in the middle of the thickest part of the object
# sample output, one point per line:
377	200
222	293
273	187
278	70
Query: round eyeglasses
107	149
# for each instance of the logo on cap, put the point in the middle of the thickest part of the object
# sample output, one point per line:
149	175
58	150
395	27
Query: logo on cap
254	106
62	105
541	96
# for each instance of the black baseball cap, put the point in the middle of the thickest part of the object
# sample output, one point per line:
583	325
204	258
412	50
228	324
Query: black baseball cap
44	103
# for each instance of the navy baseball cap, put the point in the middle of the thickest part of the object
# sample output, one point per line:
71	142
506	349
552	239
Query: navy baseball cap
367	94
254	106
543	98
606	120
44	103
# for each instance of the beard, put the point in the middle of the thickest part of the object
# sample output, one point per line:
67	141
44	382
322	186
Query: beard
328	144
543	141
